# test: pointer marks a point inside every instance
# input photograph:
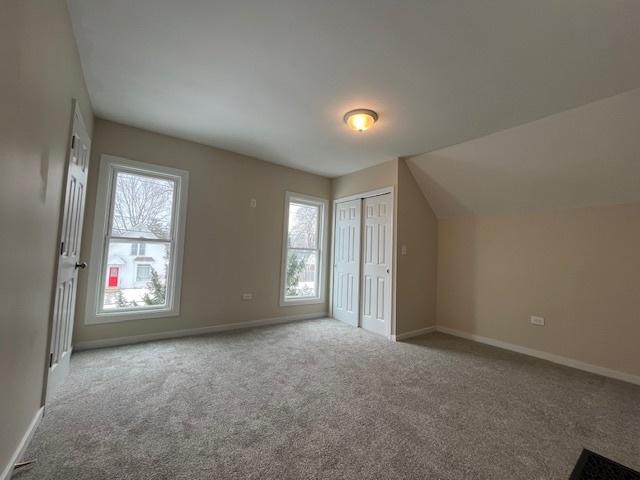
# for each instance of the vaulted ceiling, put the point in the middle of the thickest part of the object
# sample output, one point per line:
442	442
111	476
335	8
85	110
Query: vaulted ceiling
587	156
273	79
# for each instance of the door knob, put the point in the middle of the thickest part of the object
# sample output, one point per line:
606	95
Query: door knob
81	265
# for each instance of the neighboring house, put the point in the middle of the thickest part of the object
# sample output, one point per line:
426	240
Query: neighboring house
130	264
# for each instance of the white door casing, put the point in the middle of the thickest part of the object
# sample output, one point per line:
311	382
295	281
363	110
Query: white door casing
377	254
346	268
69	250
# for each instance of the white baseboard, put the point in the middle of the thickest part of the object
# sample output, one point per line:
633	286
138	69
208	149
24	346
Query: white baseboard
568	362
22	446
413	333
112	342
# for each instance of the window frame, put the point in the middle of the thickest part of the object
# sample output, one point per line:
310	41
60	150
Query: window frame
322	203
110	166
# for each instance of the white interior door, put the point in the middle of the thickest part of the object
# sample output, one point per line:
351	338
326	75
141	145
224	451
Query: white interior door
376	264
346	265
69	250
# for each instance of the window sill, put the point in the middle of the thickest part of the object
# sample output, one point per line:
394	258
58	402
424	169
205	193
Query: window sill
302	301
103	318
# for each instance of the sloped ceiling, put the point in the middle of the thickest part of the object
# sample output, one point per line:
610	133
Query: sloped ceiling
587	156
272	79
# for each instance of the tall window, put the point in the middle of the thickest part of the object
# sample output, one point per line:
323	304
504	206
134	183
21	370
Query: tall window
140	215
305	219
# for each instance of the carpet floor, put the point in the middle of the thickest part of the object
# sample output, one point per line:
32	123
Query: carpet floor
321	400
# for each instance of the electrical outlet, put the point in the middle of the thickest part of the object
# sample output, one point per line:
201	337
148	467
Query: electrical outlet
253	203
247	296
403	250
537	321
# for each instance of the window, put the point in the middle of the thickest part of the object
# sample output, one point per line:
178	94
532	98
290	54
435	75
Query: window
137	249
305	219
140	217
143	273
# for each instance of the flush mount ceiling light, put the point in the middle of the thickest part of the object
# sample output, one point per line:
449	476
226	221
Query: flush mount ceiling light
360	119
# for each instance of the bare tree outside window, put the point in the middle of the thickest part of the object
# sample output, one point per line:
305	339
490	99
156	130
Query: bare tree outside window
142	203
303	226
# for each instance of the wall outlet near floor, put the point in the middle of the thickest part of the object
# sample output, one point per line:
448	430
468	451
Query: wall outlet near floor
247	296
537	321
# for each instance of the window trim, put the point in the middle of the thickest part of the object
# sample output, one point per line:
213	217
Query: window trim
109	166
322	227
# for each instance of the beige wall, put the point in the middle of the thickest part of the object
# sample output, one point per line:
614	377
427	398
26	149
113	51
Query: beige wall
230	248
366	180
417	270
41	75
579	269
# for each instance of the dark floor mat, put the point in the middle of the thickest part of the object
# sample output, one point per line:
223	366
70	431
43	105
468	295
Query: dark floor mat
592	466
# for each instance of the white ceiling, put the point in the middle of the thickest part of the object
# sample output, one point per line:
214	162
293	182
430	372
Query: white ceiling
272	79
587	156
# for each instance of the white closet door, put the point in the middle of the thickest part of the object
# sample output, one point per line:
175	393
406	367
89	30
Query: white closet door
346	266
376	264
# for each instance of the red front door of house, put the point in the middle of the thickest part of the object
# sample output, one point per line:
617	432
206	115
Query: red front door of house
113	277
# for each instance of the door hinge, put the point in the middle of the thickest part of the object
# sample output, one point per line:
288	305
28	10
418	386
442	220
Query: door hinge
51	360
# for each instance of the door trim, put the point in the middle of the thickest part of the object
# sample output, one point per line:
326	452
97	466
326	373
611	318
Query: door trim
371	193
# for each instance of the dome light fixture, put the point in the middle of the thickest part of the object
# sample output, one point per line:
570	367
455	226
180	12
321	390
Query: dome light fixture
361	119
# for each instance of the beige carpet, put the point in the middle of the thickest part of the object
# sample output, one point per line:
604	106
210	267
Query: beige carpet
318	400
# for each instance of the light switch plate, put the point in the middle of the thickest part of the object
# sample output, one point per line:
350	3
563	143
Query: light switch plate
247	296
403	250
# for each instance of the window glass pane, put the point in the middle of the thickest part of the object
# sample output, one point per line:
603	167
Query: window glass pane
303	225
133	280
301	274
143	273
142	206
